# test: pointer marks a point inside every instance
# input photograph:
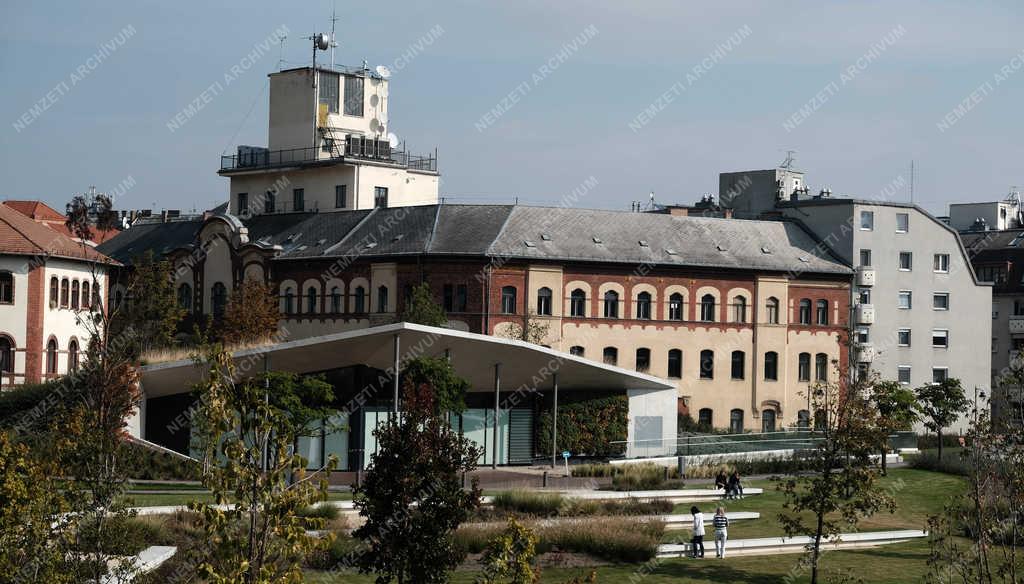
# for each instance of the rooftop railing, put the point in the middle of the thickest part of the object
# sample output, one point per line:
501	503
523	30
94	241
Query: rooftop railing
372	150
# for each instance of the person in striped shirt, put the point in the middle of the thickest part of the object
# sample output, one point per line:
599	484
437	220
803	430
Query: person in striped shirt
721	523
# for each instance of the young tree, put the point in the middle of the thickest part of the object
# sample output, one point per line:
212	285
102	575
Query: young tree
411	498
940	404
439	375
83	216
508	556
897	409
247	430
150	306
422	309
251	314
843	486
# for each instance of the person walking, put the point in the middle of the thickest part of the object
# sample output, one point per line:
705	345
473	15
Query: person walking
721	523
697	543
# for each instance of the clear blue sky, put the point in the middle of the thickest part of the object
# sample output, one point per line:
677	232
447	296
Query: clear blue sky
571	124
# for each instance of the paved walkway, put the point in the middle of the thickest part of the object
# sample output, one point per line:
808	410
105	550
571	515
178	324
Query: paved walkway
764	546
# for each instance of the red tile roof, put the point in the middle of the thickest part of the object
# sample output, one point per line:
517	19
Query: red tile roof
22	236
50	217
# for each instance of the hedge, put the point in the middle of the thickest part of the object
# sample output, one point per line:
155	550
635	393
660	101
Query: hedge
588	427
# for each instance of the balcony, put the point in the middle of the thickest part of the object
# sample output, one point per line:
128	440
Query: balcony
250	158
865	276
865	314
1016	324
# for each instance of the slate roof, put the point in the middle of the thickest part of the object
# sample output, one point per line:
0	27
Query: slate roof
515	231
20	235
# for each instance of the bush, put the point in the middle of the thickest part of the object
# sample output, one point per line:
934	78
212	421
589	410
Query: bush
951	463
774	465
148	464
529	502
341	553
587	427
122	536
533	504
930	441
321	511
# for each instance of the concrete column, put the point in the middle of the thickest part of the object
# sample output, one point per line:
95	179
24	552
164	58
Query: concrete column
396	371
554	422
497	414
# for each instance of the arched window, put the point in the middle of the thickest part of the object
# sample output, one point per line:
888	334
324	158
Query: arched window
97	298
675	306
6	288
643	360
643	306
803	367
706	417
360	299
707	308
768	421
611	356
804	316
72	356
6	355
508	300
65	290
803	419
86	295
739	364
51	356
54	300
820	420
289	301
736	421
675	363
739	309
576	350
382	299
311	300
771	366
185	297
821	367
707	364
822	312
219	298
611	304
75	291
772	310
544	301
335	300
578	303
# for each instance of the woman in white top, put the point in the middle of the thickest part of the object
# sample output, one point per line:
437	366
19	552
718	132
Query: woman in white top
697	544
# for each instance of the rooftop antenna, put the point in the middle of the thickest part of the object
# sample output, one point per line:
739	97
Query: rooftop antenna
334	43
280	51
790	159
911	181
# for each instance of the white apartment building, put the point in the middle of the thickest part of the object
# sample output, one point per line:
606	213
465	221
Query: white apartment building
330	148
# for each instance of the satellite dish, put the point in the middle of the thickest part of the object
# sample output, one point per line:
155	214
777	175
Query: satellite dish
393	140
383	71
322	41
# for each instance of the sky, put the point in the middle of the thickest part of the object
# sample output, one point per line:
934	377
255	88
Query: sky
529	100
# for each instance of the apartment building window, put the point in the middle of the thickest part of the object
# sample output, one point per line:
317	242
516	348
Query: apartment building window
863	335
74	295
328	89
940	300
610	356
821	367
902	222
461	297
739	364
940	263
705	416
6	354
53	292
940	374
643	360
508	300
86	295
707	308
576	351
675	306
903	374
298	199
335	300
544	301
772	308
768	421
611	304
865	258
675	363
804	315
643	306
243	204
448	297
822	312
1018	308
289	301
996	274
771	366
867	221
380	196
360	299
51	357
905	300
803	368
906	261
311	300
270	202
219	297
577	303
736	421
382	298
739	309
353	96
341	196
6	288
65	291
865	296
903	337
707	364
940	338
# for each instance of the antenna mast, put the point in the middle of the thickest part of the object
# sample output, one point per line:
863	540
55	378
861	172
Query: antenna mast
334	43
790	159
911	181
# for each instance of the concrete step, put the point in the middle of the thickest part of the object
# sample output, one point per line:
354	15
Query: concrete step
788	545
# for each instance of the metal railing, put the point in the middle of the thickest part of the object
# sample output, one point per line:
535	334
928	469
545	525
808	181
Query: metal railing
264	159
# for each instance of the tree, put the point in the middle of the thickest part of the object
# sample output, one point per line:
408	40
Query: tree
251	314
508	556
843	487
897	409
422	309
533	329
411	498
940	404
438	374
247	431
150	306
83	215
